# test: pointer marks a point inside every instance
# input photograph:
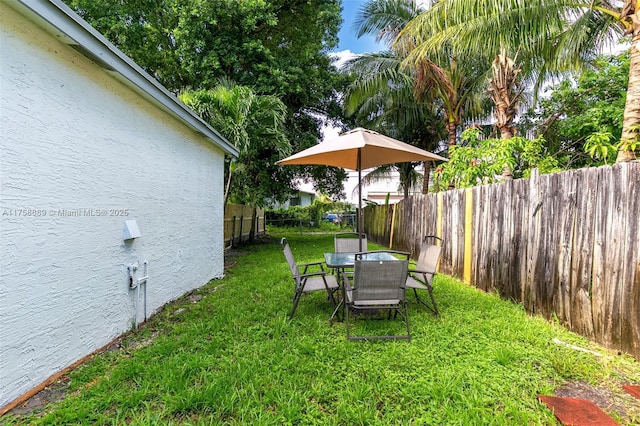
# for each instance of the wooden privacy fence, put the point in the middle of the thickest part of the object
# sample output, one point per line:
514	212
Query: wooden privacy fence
565	244
242	223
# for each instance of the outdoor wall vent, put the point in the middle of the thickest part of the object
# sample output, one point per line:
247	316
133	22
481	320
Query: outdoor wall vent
131	230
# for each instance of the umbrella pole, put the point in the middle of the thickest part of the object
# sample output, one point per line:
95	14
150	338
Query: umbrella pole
359	198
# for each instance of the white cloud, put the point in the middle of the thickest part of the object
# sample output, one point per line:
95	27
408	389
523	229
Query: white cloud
339	58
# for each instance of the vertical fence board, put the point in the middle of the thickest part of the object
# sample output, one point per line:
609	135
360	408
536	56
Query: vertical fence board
485	240
453	225
598	285
460	226
566	217
533	244
615	243
520	235
553	236
586	185
503	238
446	255
477	233
630	308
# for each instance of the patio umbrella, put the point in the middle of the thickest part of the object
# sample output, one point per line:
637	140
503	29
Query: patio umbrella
360	149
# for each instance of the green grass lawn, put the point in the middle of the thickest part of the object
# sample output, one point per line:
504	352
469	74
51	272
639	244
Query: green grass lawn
228	354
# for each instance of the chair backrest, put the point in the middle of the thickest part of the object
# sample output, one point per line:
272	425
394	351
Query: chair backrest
348	242
293	266
379	280
429	255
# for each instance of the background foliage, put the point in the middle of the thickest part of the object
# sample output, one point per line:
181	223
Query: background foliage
274	47
576	109
479	161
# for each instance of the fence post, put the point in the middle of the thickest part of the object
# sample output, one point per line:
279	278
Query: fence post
439	219
468	221
253	224
233	231
393	222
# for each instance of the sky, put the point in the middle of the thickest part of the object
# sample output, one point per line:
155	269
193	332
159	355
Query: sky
349	43
348	39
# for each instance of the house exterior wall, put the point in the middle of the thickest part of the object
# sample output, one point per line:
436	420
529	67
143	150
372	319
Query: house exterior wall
375	191
81	152
306	199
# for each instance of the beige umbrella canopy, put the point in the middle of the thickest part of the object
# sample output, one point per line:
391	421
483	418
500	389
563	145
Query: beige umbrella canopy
360	149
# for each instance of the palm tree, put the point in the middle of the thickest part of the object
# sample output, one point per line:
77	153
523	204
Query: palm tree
382	98
246	119
455	85
404	100
505	91
550	35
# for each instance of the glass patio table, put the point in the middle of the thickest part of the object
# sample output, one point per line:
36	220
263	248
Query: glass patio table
347	260
341	261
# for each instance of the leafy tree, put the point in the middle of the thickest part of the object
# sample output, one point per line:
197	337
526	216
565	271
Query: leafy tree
479	161
274	47
254	124
553	35
582	119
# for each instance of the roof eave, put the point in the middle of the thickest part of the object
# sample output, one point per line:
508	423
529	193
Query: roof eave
77	33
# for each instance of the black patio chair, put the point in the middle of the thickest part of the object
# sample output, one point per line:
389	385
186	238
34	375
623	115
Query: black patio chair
349	242
421	278
377	285
307	281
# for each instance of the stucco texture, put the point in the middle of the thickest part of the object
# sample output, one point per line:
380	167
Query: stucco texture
81	153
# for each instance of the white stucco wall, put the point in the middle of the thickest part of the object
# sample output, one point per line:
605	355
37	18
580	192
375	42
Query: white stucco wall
75	142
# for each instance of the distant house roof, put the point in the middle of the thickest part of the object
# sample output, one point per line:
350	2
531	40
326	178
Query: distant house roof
57	18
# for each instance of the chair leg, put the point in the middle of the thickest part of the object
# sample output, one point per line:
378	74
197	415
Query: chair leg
346	314
406	319
296	299
434	307
335	311
331	297
433	301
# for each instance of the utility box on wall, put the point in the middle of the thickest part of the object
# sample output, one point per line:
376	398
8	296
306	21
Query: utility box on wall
131	230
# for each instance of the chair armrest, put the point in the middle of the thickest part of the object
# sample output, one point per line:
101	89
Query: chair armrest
313	274
346	281
424	279
307	265
419	271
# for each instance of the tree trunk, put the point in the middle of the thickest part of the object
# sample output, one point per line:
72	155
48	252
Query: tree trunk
506	132
505	94
228	187
451	131
631	121
427	175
